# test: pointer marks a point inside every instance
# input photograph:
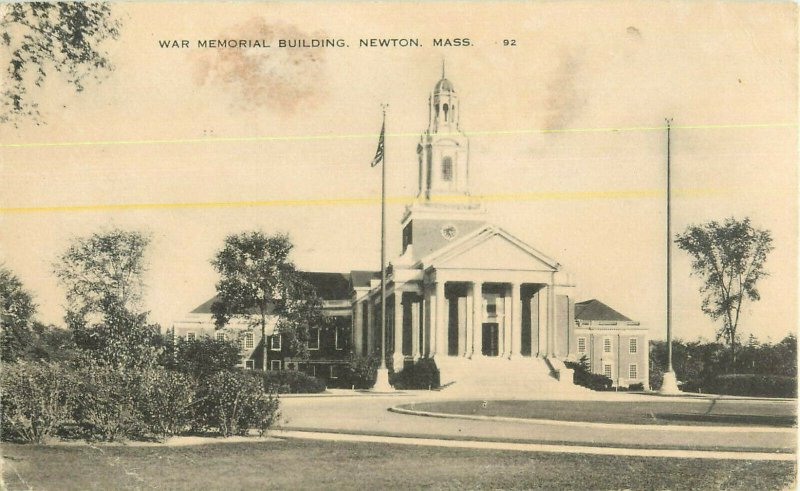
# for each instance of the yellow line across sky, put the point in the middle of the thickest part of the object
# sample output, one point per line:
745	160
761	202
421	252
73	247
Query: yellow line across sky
633	193
266	138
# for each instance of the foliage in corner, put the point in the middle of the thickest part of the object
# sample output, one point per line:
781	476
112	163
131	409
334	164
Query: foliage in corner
16	313
40	38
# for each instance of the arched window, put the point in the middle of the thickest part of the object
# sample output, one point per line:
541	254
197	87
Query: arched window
445	112
447	168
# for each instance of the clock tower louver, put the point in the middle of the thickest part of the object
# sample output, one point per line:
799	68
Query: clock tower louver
444	208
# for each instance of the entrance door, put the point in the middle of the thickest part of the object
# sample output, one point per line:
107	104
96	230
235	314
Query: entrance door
490	339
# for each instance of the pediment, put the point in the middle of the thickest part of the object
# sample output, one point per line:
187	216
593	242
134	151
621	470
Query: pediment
491	249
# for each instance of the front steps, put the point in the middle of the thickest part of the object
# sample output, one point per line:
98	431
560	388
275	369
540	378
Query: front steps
486	377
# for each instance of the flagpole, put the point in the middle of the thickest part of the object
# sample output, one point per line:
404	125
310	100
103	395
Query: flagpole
669	384
382	375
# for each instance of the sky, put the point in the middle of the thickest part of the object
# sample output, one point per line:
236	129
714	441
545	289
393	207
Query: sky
566	142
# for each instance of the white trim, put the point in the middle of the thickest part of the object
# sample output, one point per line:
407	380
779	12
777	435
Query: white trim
250	364
273	364
331	372
279	338
318	339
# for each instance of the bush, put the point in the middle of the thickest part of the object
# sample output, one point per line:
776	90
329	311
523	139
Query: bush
636	387
585	378
292	382
202	357
422	375
164	402
753	385
107	409
361	371
235	401
36	399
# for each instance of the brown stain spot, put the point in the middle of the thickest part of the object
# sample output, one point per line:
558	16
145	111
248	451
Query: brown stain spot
633	31
281	79
564	94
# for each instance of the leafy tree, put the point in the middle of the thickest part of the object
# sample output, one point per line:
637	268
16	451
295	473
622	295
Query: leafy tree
103	273
257	279
51	343
123	339
730	258
41	37
16	312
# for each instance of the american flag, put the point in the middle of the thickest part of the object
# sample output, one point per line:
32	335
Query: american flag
379	153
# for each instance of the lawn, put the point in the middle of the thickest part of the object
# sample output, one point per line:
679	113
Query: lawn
293	464
659	411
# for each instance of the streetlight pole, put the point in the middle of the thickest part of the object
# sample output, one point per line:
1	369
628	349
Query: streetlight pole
669	385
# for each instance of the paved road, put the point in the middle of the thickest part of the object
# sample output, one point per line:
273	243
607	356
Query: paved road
370	415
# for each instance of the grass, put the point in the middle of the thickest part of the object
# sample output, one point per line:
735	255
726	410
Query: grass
662	412
295	464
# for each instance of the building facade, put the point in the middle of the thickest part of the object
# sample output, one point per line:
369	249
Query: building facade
486	307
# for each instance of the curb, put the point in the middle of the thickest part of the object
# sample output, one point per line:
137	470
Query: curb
582	424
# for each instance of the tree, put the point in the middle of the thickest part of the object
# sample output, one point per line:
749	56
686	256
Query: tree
730	258
257	279
203	357
103	273
42	37
16	312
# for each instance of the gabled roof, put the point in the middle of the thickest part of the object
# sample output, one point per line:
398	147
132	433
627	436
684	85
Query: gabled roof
362	278
595	310
329	286
483	234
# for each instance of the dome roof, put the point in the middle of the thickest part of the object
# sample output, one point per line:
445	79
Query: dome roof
444	85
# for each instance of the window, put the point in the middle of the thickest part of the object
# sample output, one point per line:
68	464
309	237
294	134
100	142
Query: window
633	345
581	345
248	340
220	336
607	370
633	371
334	373
275	342
250	364
275	365
607	345
339	342
313	338
190	336
447	169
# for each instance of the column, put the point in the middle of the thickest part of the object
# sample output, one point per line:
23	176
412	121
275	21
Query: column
543	295
505	327
370	327
468	322
398	331
440	324
416	321
477	319
427	308
551	318
415	328
516	321
358	327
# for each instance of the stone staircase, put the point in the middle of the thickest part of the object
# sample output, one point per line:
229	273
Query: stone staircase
492	377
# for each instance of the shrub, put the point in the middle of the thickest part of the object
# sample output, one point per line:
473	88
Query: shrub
36	399
422	375
585	378
292	382
164	402
203	357
753	385
637	387
361	371
107	408
235	401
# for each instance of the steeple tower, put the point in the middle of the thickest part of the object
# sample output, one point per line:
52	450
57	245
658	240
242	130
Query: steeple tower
443	151
444	208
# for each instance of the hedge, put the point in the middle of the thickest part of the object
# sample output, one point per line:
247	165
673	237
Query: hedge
753	385
292	382
421	375
234	402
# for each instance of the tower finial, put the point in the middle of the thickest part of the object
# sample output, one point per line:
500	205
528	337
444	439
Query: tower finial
442	67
